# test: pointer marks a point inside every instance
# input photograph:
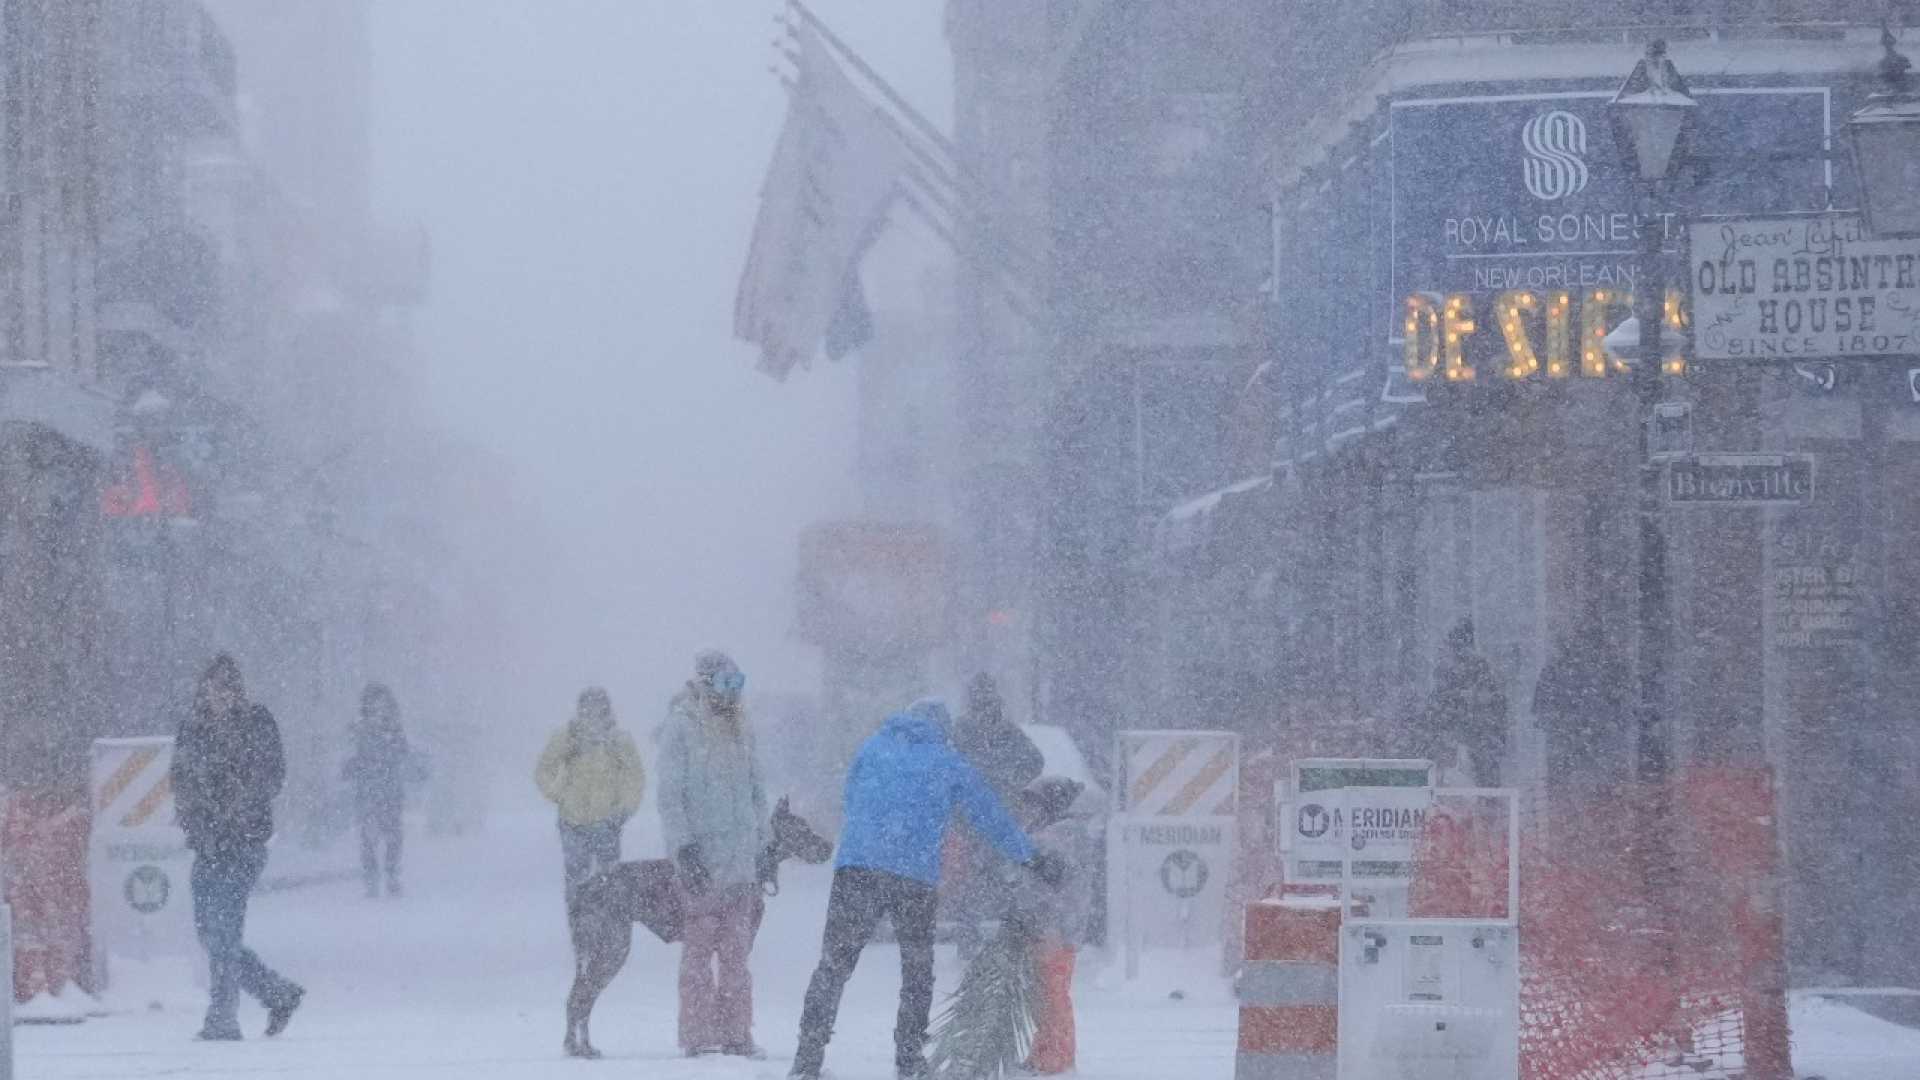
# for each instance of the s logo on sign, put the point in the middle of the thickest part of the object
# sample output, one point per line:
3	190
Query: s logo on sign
1556	146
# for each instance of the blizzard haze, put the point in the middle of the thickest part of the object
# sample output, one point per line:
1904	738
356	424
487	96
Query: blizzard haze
587	170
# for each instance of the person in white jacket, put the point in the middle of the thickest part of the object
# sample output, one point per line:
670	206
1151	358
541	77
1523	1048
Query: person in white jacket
713	817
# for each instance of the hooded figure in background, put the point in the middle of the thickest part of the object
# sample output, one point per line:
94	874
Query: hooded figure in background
1009	761
379	770
902	792
1468	707
228	768
591	772
713	817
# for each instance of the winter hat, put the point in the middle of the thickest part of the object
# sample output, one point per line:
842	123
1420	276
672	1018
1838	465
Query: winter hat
710	662
1053	796
983	697
594	701
1461	636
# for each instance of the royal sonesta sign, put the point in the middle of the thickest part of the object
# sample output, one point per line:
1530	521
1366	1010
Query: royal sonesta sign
1800	288
1516	233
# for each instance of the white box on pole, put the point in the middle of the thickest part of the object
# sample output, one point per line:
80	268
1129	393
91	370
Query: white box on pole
138	860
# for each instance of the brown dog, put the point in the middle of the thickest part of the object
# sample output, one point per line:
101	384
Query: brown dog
607	905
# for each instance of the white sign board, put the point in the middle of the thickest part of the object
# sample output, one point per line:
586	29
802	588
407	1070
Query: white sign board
1178	773
138	857
1167	880
1802	288
1367	814
1170	849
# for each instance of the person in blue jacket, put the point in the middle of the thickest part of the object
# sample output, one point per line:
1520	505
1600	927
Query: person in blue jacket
902	790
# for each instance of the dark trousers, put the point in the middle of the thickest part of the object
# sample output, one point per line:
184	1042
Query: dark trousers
585	850
859	898
222	879
380	833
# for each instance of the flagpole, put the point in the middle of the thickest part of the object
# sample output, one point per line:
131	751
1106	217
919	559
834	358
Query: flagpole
953	172
886	89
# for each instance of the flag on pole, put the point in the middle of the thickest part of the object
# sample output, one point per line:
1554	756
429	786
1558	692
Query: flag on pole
835	173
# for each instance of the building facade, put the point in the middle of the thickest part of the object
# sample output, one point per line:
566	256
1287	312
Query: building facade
1281	235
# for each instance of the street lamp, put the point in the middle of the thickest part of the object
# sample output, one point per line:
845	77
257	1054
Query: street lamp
1651	116
1885	134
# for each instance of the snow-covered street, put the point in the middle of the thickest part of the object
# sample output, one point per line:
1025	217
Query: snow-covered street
466	975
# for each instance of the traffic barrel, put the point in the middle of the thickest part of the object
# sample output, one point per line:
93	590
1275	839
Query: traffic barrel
1290	991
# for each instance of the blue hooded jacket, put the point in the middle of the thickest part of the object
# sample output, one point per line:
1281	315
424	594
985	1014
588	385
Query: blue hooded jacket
902	791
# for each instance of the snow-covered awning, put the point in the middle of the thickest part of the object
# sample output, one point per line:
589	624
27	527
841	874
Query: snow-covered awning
1188	525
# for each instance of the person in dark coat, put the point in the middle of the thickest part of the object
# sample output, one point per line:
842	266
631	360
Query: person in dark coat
227	769
1009	761
901	794
1468	707
1580	702
379	769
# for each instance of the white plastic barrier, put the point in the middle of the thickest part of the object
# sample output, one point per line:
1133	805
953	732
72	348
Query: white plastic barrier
138	861
1435	999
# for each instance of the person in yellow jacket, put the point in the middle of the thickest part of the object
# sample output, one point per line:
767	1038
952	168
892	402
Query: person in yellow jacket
591	772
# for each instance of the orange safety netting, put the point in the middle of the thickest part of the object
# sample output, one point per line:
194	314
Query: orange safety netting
1650	944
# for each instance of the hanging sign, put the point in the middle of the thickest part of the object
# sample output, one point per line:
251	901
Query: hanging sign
1802	288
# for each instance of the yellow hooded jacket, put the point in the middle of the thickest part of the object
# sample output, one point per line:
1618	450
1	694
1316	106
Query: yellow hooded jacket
591	779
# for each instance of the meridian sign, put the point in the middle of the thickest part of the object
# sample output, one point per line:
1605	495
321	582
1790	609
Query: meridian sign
1805	288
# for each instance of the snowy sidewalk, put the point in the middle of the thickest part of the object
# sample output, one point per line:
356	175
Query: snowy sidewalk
466	977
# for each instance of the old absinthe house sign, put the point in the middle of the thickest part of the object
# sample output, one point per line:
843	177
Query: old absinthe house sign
1805	287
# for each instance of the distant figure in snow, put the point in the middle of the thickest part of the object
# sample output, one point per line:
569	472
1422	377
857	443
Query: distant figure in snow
713	817
379	769
591	772
1581	705
1468	707
227	769
1009	761
901	792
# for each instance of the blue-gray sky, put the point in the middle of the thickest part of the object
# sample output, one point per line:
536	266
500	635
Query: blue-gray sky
588	171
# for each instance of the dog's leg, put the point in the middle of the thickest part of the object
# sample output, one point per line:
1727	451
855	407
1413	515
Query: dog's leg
605	948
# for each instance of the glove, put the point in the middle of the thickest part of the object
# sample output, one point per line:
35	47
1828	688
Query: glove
693	872
1049	867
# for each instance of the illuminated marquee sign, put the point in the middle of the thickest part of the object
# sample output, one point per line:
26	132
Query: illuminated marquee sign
1515	238
1803	288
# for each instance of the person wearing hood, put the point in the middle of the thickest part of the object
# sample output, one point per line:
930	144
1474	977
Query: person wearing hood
378	771
227	769
591	772
904	786
974	889
1057	813
713	817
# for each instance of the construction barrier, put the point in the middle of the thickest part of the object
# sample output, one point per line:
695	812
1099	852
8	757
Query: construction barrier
1289	991
138	861
43	839
1651	939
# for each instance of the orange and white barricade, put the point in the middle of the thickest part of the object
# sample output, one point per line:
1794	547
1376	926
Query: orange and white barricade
1289	990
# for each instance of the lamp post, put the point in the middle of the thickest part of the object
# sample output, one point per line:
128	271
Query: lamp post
1651	115
1650	119
1885	135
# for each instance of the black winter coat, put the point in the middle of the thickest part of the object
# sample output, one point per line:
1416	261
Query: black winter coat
378	771
226	774
999	750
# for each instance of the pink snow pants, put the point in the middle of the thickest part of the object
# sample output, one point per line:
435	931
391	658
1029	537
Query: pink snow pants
716	989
